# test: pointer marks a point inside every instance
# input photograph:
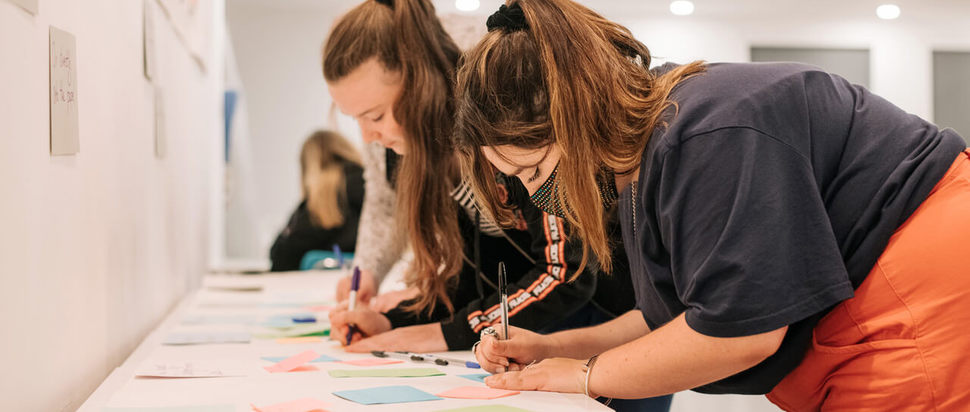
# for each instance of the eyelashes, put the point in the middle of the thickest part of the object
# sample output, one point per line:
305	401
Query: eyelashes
534	176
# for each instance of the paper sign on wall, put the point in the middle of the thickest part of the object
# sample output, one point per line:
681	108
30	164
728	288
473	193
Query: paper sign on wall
63	93
29	5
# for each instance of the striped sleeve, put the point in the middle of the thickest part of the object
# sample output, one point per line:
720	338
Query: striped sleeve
539	298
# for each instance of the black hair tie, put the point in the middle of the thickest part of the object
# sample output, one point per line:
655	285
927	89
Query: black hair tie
508	18
388	3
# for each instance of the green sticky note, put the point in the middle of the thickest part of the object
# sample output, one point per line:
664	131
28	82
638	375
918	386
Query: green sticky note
386	373
298	330
486	408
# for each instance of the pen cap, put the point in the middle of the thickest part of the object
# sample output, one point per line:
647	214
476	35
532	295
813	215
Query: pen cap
337	254
355	279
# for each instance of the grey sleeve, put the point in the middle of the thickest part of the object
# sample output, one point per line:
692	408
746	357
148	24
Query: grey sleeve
379	245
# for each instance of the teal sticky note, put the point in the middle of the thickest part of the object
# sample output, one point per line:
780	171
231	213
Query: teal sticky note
386	394
200	408
477	377
321	358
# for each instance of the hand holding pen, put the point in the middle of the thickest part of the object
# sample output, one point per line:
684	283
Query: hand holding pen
354	286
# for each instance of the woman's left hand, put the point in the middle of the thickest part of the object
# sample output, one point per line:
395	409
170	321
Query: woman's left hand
417	338
552	375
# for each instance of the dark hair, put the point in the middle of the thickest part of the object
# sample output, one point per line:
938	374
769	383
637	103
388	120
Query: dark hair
572	79
407	37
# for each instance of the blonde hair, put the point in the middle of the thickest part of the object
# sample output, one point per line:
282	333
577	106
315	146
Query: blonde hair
572	79
322	161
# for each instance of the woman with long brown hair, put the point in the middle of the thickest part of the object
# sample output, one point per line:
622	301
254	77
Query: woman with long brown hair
788	233
391	66
332	188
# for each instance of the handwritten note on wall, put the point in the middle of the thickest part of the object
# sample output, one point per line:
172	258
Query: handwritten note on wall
63	87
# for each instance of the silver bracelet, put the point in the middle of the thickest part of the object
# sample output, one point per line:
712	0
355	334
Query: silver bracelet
589	368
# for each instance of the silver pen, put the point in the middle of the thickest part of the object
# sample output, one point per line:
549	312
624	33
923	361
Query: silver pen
505	299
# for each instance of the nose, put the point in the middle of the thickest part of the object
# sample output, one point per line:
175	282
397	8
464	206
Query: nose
369	134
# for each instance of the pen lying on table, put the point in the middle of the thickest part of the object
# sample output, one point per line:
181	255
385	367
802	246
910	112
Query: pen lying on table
438	360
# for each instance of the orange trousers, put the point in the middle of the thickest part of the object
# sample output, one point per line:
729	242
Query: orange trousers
902	343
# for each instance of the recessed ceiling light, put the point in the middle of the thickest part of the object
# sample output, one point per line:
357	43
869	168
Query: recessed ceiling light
888	11
467	5
682	7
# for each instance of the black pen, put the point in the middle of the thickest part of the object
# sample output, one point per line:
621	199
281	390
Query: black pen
414	357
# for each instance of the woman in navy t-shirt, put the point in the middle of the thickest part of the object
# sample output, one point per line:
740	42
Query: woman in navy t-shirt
789	233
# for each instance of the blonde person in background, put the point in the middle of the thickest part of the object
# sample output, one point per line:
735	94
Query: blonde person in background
332	188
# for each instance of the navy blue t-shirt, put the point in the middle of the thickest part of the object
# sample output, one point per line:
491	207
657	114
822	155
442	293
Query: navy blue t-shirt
767	199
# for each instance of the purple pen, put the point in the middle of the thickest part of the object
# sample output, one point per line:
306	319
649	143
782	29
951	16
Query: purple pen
354	286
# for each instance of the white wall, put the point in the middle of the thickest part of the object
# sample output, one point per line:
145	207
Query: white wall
901	50
277	51
95	248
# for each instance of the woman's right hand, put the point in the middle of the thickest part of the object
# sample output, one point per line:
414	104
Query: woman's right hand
521	349
366	321
365	291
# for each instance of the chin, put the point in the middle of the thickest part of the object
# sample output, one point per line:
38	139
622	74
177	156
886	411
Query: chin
397	148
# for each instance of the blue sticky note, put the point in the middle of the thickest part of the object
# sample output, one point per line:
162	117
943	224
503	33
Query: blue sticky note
321	358
477	377
386	394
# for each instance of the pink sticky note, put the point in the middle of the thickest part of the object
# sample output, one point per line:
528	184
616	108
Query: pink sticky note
318	308
372	361
302	339
299	405
476	392
292	362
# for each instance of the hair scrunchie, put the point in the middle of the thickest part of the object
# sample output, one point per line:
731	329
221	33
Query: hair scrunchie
508	18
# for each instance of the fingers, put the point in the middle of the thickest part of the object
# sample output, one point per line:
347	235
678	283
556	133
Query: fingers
523	381
343	289
488	358
360	344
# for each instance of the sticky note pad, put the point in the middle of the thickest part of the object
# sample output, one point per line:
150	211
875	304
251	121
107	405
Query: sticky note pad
292	362
385	373
476	392
372	361
321	358
386	394
477	377
486	408
200	408
181	369
302	339
299	405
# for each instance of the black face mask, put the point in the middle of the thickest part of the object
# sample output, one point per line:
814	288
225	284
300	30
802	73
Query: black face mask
545	197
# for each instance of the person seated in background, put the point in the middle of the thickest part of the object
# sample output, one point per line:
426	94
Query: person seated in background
332	185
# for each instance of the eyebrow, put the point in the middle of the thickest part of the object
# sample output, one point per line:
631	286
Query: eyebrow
368	110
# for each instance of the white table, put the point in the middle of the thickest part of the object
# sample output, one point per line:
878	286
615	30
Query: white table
259	387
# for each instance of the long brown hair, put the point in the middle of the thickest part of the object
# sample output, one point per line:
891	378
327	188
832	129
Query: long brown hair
572	79
406	36
322	161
